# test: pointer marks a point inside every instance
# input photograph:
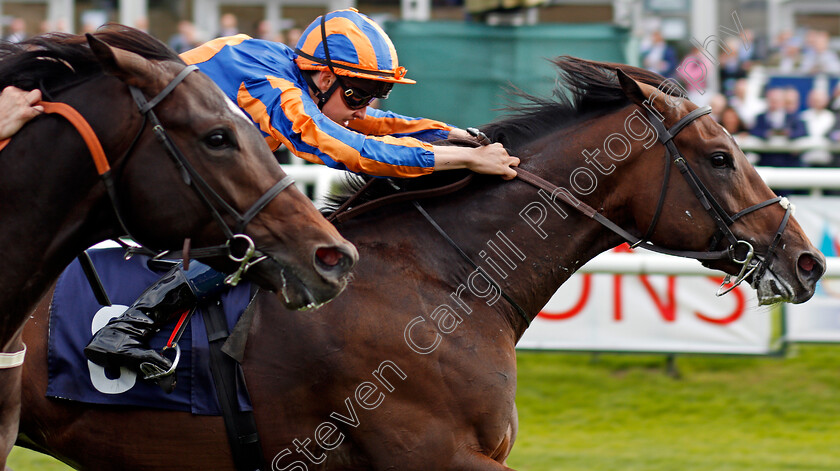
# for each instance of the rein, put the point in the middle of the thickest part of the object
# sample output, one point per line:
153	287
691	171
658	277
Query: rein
707	200
666	136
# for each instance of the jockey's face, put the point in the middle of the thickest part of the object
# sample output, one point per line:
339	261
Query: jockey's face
335	108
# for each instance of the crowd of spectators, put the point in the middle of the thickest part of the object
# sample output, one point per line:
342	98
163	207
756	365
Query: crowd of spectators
188	36
779	99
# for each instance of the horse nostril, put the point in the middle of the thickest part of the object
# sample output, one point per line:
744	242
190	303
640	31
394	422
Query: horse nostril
809	268
334	261
329	256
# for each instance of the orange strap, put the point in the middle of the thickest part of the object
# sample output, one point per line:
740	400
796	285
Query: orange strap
84	129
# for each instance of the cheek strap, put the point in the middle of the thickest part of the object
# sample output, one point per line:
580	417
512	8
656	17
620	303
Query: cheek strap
322	97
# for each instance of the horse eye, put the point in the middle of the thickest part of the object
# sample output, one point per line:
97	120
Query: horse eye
719	160
218	140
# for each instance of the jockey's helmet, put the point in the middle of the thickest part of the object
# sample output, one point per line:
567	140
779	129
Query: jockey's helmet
351	45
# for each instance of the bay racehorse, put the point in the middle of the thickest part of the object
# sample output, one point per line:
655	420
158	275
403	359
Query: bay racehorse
159	126
414	367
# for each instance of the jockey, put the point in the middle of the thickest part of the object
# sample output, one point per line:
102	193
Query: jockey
16	108
314	100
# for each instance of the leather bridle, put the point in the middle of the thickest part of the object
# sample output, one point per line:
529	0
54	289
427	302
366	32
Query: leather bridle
248	255
750	262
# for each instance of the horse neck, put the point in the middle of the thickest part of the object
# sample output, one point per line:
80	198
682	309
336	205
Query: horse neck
529	261
53	194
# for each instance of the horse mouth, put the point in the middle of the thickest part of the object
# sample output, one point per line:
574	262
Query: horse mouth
772	289
282	278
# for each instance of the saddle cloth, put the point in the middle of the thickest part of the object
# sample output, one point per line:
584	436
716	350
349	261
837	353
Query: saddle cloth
75	315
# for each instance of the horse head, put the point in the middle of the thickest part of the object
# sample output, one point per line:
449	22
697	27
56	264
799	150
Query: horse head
715	203
305	258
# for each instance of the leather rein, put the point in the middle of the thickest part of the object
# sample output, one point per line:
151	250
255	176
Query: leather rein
750	262
250	256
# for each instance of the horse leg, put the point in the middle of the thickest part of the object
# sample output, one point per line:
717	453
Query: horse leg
9	401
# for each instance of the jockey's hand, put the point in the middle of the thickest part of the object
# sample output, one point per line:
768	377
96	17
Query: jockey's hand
16	108
491	159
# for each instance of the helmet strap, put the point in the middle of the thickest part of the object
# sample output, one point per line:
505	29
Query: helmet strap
322	97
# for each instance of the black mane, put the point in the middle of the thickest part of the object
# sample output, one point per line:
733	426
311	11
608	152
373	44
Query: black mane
55	59
590	89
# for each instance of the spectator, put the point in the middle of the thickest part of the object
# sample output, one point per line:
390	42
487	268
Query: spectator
228	25
786	51
777	126
818	58
292	36
792	101
266	30
732	67
142	23
819	121
17	31
746	104
835	98
694	71
718	103
185	39
659	57
734	125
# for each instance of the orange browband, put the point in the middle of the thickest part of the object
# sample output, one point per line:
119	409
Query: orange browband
84	129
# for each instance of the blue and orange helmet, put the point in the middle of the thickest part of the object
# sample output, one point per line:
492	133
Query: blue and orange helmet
357	47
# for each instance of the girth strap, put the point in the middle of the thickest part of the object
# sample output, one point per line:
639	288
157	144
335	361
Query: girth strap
241	426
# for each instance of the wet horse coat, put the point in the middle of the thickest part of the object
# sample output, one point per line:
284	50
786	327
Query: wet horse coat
414	366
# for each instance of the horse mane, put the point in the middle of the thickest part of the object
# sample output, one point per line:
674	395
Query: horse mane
589	89
55	59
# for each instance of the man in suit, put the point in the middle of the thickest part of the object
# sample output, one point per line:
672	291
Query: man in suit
777	125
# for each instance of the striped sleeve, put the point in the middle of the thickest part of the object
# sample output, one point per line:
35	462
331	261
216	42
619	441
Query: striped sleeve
380	123
285	114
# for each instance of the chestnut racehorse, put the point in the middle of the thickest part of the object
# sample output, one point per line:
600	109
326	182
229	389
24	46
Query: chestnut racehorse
160	125
414	367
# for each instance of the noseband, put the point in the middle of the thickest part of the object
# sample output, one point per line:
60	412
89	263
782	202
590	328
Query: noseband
750	262
210	198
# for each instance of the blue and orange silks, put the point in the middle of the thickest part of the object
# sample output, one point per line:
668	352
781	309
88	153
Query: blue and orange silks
264	80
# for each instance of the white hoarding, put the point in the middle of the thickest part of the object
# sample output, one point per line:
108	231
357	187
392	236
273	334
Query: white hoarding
682	314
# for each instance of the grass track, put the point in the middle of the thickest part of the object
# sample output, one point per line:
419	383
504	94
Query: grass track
622	412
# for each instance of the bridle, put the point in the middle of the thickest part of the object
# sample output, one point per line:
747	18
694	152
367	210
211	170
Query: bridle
750	262
249	256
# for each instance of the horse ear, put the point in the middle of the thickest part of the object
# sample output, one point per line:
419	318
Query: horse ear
125	65
631	87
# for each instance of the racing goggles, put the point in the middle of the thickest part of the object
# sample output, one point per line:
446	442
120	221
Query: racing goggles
359	94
